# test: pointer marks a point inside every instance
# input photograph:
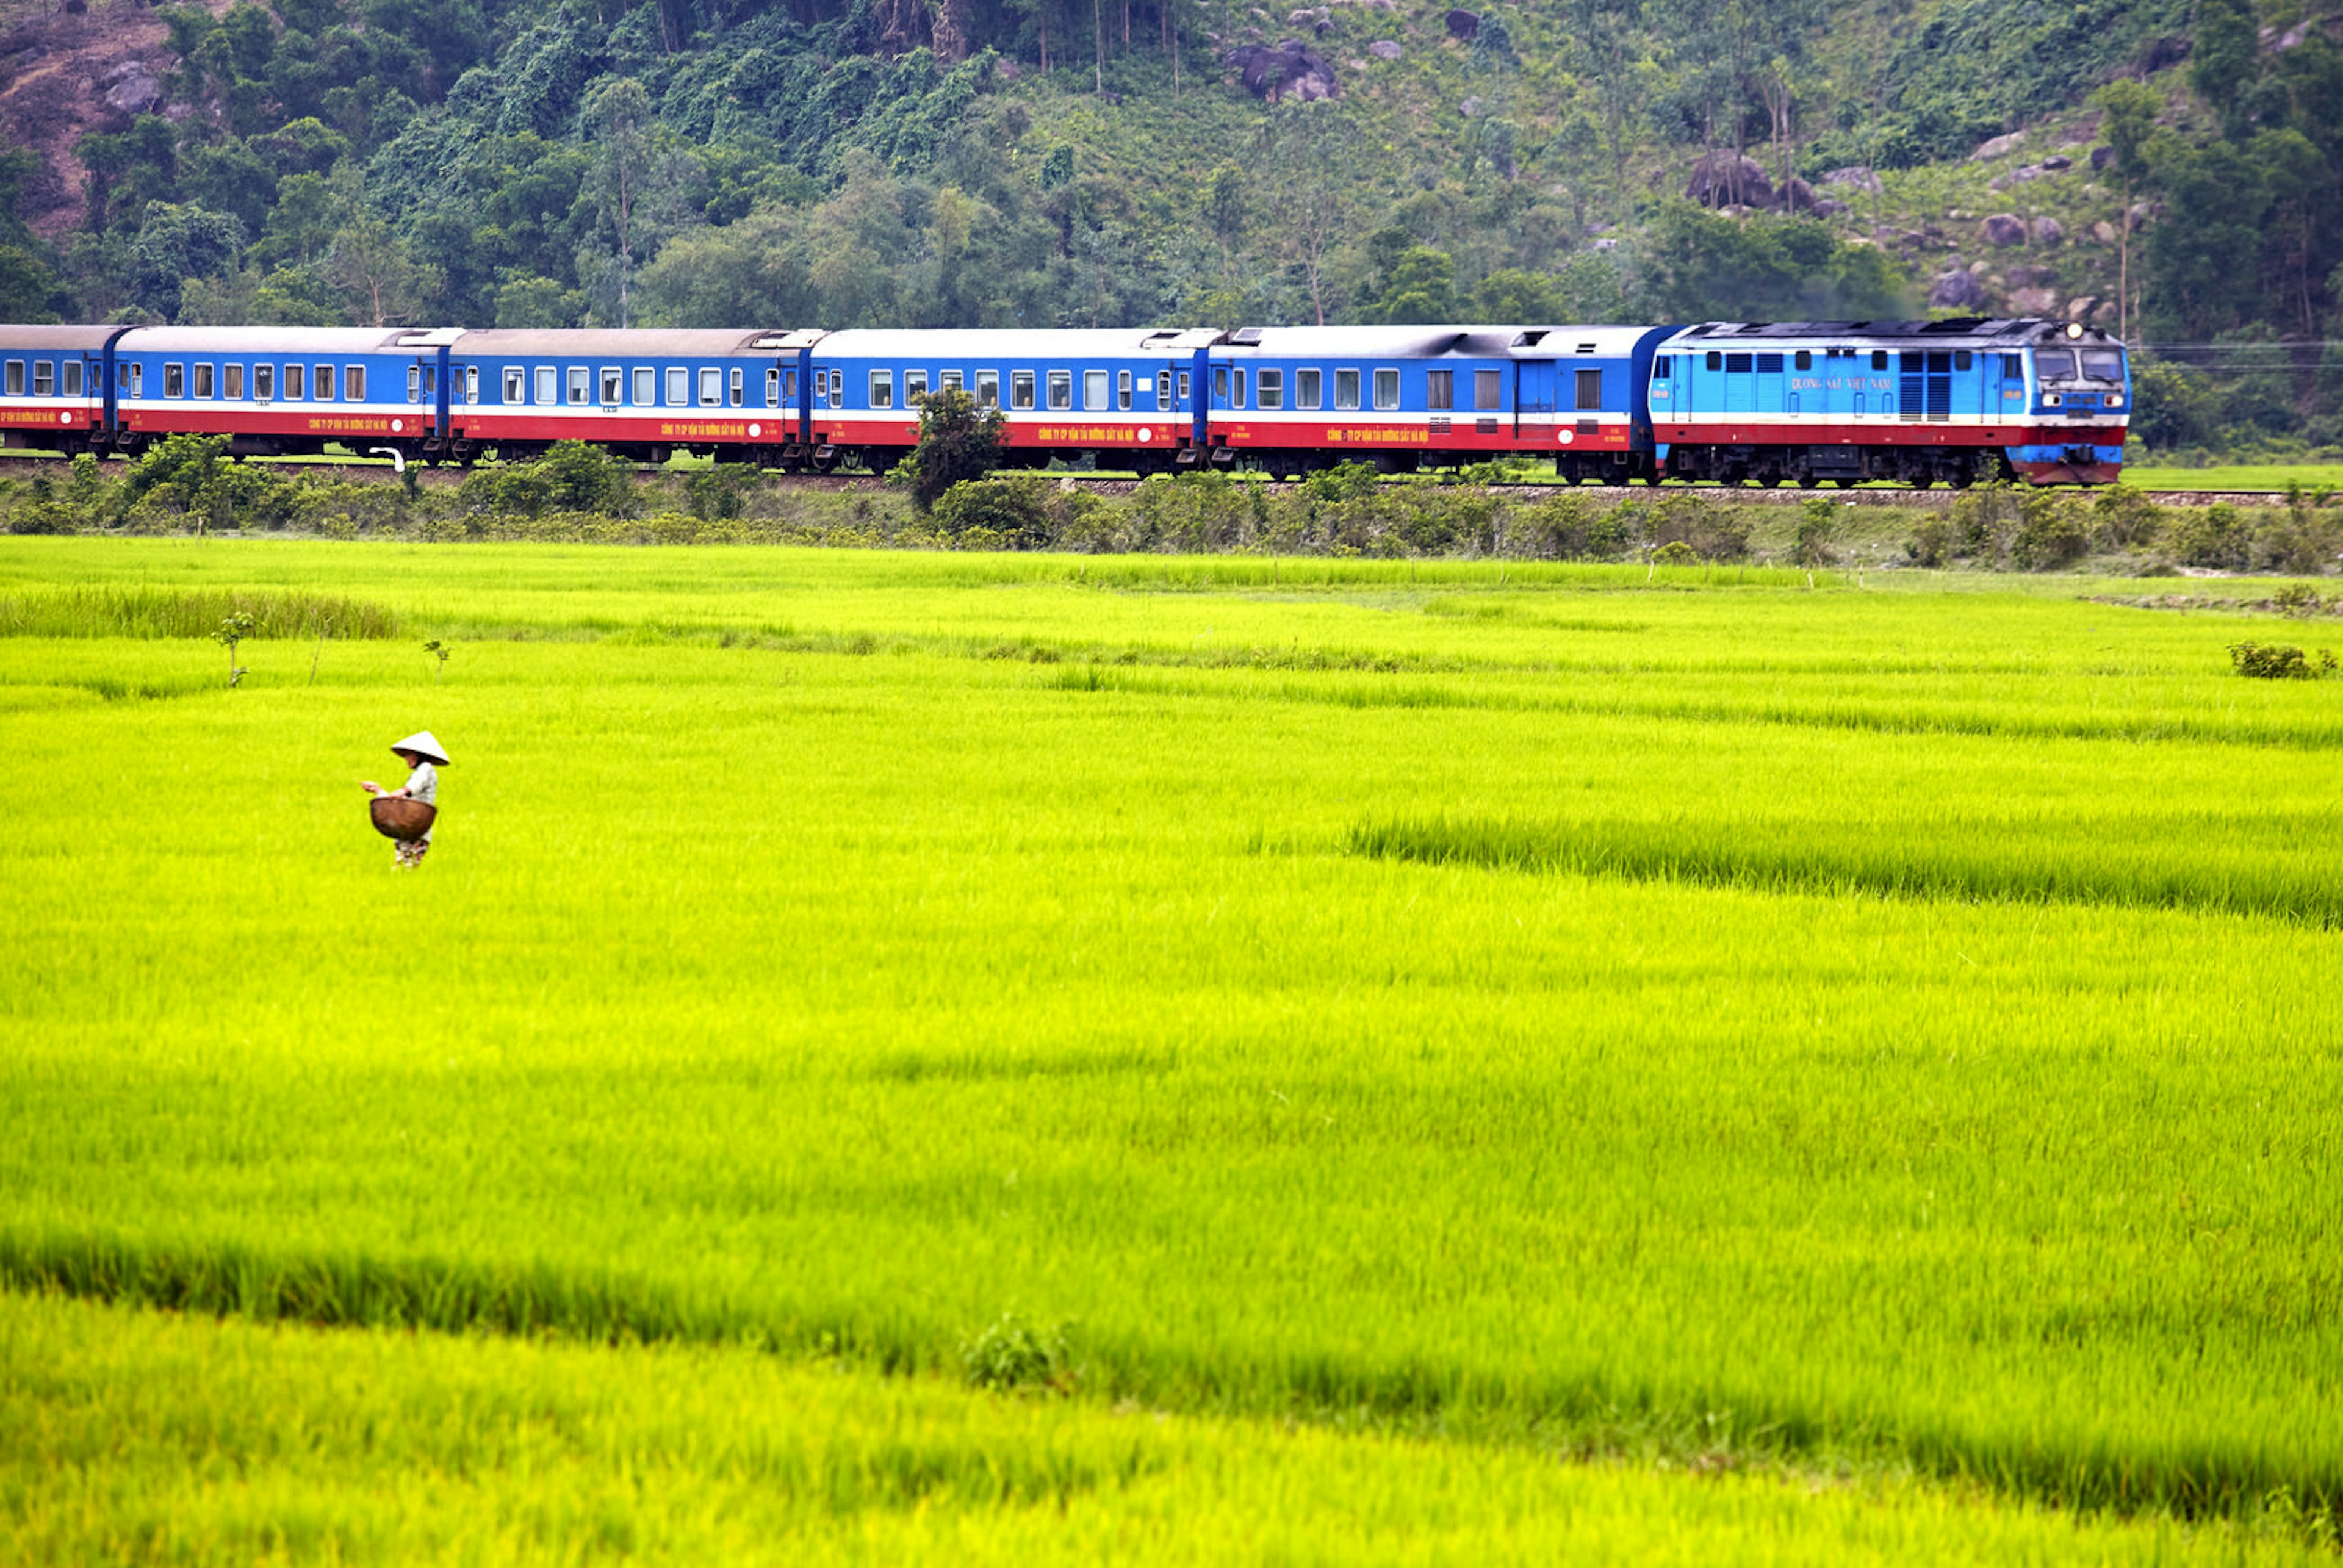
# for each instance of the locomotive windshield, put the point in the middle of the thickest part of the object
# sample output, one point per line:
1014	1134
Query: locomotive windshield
2096	365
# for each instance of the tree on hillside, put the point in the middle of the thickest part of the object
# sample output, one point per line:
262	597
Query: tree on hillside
2127	112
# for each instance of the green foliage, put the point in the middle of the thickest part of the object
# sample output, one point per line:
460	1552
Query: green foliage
2219	536
190	477
1817	522
1699	266
2052	531
1017	511
1015	1356
957	442
2279	661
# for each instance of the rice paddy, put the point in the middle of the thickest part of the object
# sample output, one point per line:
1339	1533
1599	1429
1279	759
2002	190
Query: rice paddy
1181	1057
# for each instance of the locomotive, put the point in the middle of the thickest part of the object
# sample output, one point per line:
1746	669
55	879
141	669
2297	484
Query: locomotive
1766	402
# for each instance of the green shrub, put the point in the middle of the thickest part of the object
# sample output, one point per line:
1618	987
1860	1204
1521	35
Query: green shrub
2279	661
1810	546
2051	532
1931	543
1012	1355
2217	536
1005	512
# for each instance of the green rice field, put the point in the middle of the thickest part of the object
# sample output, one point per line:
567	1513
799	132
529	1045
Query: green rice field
2310	477
940	1058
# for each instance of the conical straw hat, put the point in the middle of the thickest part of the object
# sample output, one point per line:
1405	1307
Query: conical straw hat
426	743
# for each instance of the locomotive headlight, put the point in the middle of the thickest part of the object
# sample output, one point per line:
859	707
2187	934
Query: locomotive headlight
2115	399
2052	400
2074	329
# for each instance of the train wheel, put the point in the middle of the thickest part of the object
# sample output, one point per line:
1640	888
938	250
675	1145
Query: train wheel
1807	481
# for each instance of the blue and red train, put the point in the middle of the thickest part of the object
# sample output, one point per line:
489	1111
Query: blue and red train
1770	403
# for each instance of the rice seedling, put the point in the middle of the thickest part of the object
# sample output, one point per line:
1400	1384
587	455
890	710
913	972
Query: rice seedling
1870	1026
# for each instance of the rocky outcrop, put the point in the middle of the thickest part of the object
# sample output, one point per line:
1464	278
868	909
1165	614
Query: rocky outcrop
1957	291
1273	71
2048	231
1999	147
2003	229
1463	25
1384	49
1724	178
1855	175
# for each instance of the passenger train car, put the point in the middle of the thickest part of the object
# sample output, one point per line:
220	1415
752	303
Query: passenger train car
1766	403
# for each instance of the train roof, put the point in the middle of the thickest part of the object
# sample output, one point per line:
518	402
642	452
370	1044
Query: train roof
1969	331
983	343
1475	342
91	339
633	342
266	340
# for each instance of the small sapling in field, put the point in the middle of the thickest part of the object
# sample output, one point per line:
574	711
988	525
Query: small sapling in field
438	651
232	630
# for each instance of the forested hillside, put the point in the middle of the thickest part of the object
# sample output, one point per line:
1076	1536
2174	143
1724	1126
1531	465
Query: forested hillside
2166	168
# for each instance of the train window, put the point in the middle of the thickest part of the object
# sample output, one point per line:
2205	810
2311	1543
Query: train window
1487	392
711	387
1062	389
44	379
139	381
1273	388
174	381
2012	367
1739	364
234	376
735	385
838	388
988	389
789	385
1879	359
1715	361
1220	383
820	388
415	383
354	383
1661	367
73	377
430	382
322	383
1122	390
646	380
1183	386
1590	389
1021	389
882	390
1805	359
1386	389
1308	388
1769	365
16	383
948	381
915	388
515	383
1346	391
2103	364
1440	389
773	387
1963	360
1238	401
548	385
297	381
1094	389
578	384
264	383
678	387
1163	389
471	383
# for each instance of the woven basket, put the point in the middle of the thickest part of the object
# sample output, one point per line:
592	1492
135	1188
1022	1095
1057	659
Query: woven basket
396	817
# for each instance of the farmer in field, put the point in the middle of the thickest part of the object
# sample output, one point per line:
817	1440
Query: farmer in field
424	757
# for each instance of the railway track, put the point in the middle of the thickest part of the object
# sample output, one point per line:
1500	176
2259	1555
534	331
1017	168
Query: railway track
30	464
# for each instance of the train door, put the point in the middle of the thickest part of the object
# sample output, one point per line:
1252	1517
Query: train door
1536	398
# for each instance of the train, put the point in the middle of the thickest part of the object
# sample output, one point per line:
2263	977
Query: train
1956	401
